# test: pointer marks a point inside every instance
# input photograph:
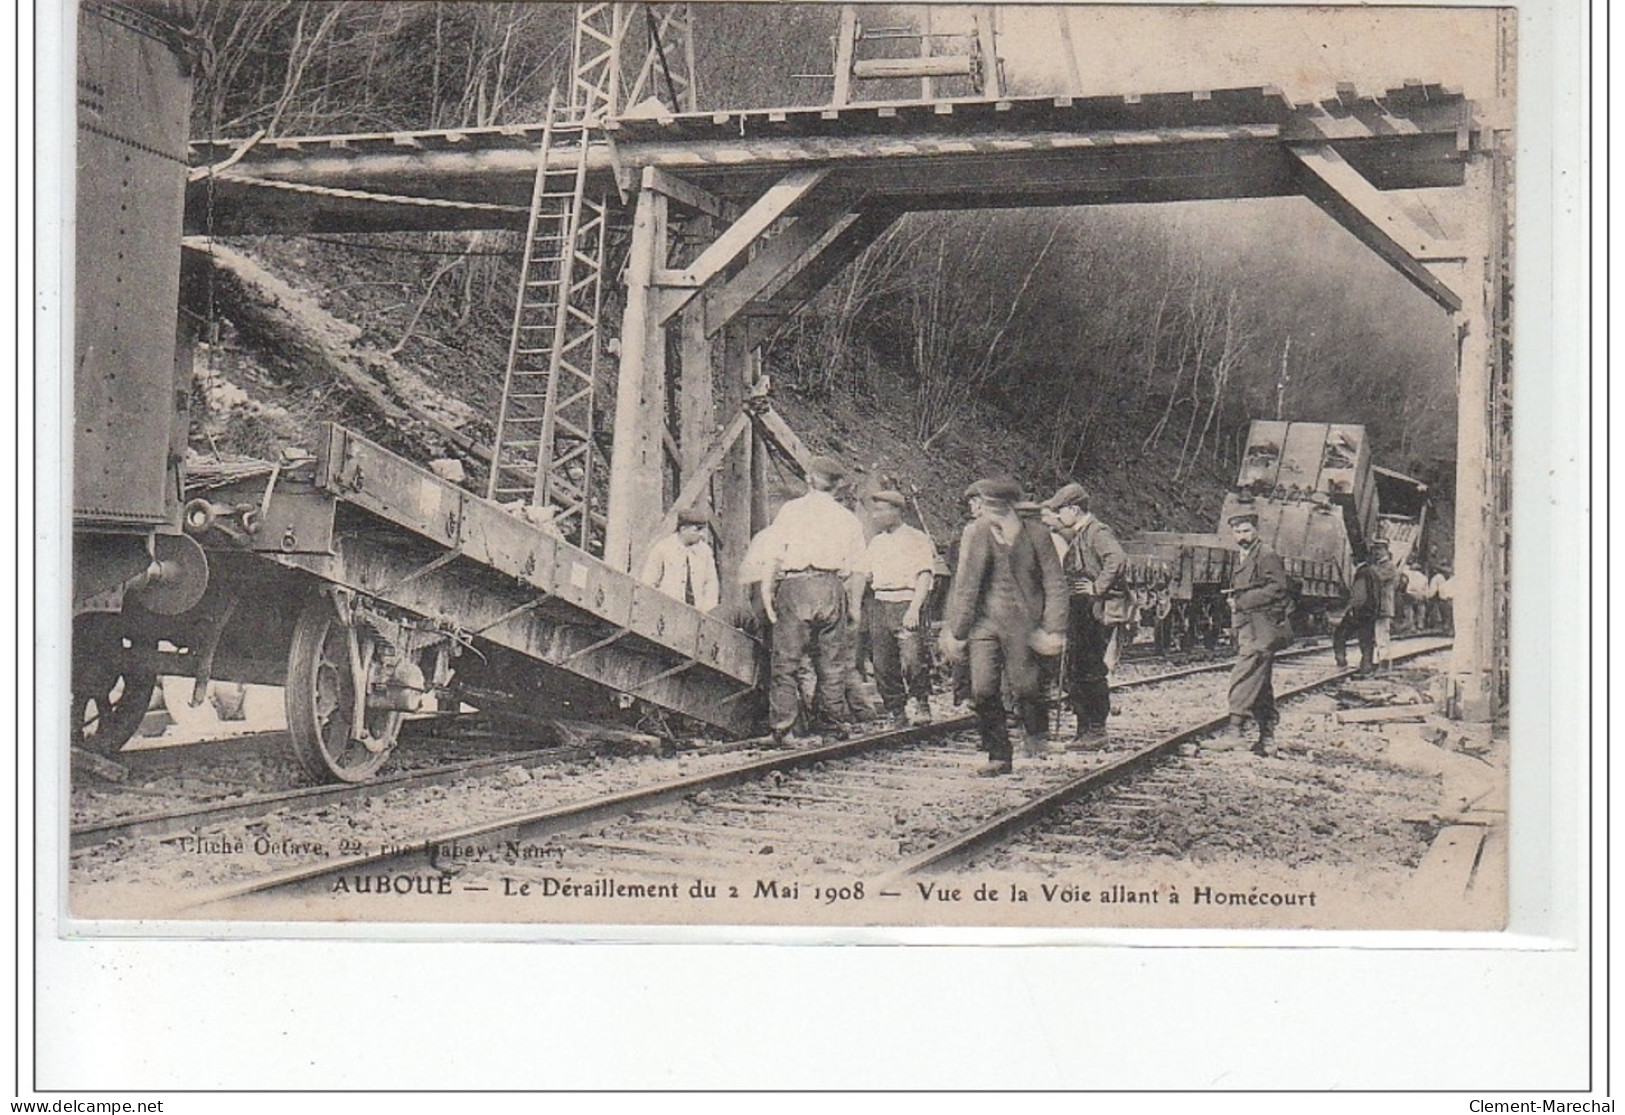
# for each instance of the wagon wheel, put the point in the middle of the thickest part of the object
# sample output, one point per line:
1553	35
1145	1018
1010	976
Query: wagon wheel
113	682
1171	636
320	700
1215	622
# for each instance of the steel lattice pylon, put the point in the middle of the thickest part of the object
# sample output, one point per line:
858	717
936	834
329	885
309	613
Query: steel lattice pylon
545	450
607	36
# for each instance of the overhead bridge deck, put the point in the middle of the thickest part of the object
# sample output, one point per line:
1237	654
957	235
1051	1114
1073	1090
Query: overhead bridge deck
954	154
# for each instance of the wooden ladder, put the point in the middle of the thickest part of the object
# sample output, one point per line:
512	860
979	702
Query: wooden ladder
544	452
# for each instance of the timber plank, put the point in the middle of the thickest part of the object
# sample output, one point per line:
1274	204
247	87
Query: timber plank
1447	869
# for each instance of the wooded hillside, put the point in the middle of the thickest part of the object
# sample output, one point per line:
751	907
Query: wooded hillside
1126	345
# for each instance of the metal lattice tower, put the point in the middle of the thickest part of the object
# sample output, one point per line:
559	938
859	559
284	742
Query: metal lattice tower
607	35
545	450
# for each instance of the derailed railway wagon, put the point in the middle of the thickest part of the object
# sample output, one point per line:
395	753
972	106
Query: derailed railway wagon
371	588
132	362
368	587
1320	504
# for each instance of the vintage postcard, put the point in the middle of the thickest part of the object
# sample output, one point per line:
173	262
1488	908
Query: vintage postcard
810	465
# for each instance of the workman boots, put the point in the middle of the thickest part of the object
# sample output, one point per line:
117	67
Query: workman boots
1232	738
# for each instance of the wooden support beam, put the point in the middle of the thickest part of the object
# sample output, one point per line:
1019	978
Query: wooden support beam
1331	168
697	479
731	493
636	469
1357	205
946	65
687	193
779	200
984	165
1470	684
696	406
987	41
783	255
1063	16
779	434
845	44
812	274
927	87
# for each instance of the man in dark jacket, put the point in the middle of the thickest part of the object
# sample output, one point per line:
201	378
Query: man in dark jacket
1360	620
1007	605
1093	567
1260	606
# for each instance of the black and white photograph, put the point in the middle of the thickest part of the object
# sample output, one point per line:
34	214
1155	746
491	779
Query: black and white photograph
799	464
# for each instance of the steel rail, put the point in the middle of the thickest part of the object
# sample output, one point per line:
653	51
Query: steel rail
1006	824
562	817
167	822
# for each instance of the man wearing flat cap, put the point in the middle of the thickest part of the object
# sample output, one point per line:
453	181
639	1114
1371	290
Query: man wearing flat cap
1388	579
1260	611
1098	602
1360	618
899	562
682	566
1007	606
815	563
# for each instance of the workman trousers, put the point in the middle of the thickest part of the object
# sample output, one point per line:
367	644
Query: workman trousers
1441	616
1252	690
899	658
1087	641
811	621
1362	626
1384	633
999	653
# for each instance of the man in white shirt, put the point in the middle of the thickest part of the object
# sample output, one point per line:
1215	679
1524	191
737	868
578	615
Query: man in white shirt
682	565
815	599
899	563
1415	585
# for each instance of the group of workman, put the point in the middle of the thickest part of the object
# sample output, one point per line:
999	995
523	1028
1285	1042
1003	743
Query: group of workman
1031	581
1384	600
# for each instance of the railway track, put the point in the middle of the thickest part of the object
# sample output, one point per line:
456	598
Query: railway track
202	797
961	848
880	808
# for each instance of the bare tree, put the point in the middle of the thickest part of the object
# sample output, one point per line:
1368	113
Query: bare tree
961	318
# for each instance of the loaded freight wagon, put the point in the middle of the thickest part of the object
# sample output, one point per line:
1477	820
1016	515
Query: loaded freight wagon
1320	503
